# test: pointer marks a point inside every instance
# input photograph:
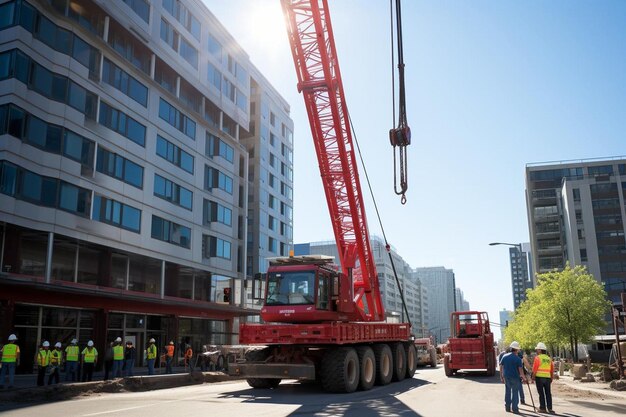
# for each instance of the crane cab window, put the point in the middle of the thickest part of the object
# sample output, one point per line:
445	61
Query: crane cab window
290	288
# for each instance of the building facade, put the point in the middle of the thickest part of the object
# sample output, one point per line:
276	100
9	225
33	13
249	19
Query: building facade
416	302
521	278
440	284
461	303
576	215
124	172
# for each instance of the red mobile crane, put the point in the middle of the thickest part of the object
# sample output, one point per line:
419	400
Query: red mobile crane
322	323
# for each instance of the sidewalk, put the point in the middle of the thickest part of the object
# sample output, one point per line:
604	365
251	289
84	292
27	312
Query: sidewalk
30	380
601	388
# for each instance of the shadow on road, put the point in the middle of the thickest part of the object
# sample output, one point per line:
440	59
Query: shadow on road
605	406
312	400
477	376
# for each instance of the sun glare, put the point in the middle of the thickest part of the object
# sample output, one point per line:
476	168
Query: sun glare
266	23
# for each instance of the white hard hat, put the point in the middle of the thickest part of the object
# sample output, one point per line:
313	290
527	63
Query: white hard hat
74	341
12	337
57	344
515	345
119	339
541	346
90	343
152	340
46	344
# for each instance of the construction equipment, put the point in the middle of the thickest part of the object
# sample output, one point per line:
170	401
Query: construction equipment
322	323
470	345
426	352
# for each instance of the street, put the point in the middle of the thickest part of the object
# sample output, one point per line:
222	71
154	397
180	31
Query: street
429	393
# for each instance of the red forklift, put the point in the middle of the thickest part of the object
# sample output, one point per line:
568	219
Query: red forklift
470	345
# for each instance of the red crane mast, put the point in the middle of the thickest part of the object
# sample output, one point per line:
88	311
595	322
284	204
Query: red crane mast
319	80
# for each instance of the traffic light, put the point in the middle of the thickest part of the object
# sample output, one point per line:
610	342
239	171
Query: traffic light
227	295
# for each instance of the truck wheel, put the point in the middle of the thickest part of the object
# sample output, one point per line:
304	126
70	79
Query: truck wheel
446	366
491	364
399	361
411	359
259	356
340	370
367	365
384	364
433	357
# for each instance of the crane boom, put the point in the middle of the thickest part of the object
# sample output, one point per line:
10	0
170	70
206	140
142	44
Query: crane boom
319	80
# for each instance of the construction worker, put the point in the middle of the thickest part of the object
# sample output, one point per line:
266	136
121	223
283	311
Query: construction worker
169	357
89	359
10	360
43	361
56	357
129	358
543	371
71	361
188	357
526	367
108	361
151	354
118	357
511	370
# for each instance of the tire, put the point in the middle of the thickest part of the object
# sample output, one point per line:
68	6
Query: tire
340	370
491	364
384	364
367	367
446	366
433	357
411	359
260	383
399	361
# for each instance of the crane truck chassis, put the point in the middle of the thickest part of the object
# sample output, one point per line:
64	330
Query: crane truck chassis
470	345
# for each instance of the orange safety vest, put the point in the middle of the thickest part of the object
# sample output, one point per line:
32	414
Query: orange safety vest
543	366
9	353
170	350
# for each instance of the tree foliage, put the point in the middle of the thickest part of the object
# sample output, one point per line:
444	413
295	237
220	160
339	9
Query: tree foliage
566	308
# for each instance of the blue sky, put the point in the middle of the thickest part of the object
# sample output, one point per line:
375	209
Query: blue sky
491	86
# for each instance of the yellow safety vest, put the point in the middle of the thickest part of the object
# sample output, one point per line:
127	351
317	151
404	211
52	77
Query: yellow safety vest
71	353
90	355
43	357
118	353
544	366
9	352
55	357
152	352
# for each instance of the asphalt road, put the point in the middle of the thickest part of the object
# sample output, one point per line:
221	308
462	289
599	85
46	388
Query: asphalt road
429	393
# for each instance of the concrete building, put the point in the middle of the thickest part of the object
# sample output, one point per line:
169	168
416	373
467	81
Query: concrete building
413	291
440	284
126	129
505	317
576	215
461	303
521	277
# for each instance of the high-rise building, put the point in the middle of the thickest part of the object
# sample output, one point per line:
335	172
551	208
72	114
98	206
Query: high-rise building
440	284
505	317
461	303
576	215
521	280
413	291
126	128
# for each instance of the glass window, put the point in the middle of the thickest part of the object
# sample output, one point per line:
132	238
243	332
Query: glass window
189	53
7	12
177	119
215	48
141	7
133	174
121	80
214	76
171	232
8	179
5	65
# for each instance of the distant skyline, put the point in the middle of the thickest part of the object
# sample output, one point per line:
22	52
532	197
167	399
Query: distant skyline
491	86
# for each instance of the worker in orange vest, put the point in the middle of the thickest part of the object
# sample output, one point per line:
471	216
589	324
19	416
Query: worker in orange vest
188	357
543	371
169	357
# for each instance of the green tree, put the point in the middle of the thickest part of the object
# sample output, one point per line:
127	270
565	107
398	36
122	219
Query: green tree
566	308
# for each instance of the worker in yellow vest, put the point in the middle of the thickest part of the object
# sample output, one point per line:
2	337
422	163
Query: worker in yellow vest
55	363
543	371
89	361
43	361
118	358
71	361
10	360
151	354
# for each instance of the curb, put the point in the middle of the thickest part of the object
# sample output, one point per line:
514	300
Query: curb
600	391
